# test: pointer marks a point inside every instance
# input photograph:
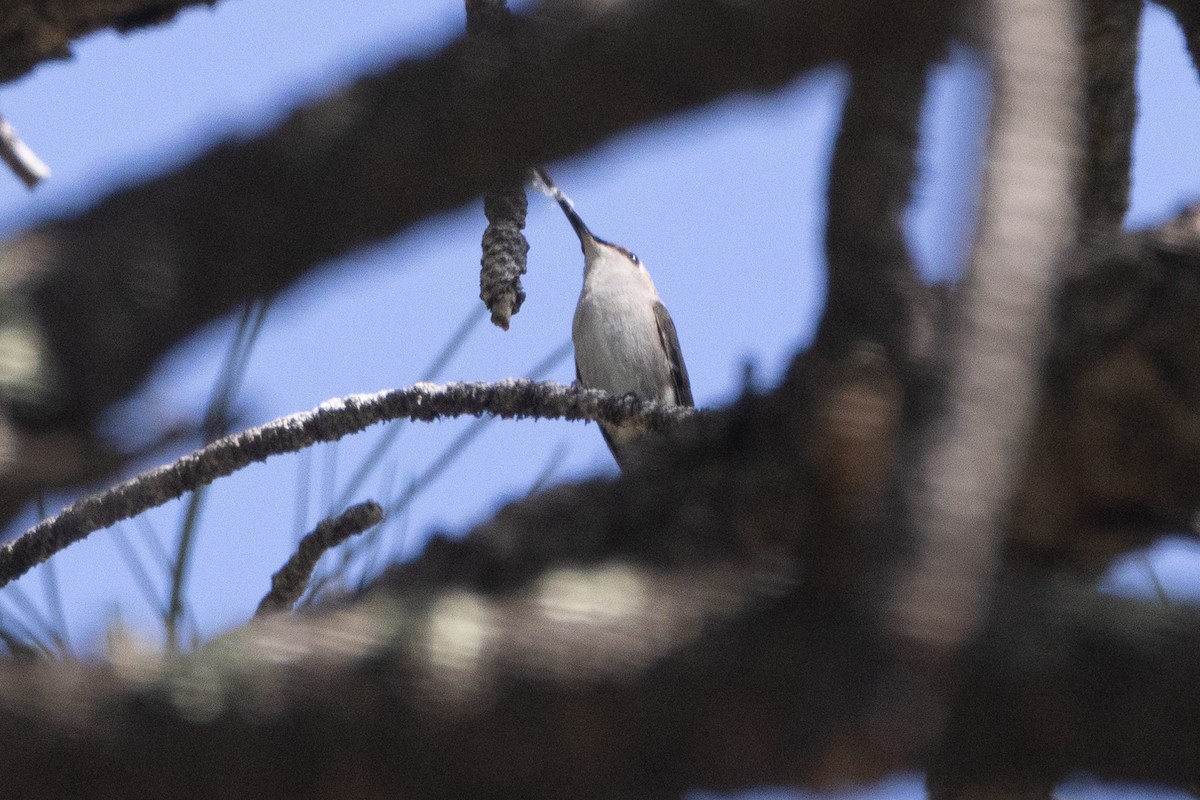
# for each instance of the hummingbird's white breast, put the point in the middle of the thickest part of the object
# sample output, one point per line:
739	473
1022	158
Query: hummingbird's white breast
617	343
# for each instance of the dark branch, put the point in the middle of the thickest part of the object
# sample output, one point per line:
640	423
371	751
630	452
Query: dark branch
1187	13
34	31
1117	439
872	284
1110	38
866	339
460	681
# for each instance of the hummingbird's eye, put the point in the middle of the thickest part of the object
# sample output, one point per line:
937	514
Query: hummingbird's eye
637	262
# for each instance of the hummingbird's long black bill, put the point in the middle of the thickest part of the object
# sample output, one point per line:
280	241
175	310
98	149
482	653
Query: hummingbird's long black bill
581	230
542	180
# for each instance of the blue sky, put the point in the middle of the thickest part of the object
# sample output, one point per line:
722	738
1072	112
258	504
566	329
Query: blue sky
724	205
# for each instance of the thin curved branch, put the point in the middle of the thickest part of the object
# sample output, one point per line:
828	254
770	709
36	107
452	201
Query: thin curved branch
290	581
333	419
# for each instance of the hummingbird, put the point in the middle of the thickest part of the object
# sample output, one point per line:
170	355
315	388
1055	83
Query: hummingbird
625	341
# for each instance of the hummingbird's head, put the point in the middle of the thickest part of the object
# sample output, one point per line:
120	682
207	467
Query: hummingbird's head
596	249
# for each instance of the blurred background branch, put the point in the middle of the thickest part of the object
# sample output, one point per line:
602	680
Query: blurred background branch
35	31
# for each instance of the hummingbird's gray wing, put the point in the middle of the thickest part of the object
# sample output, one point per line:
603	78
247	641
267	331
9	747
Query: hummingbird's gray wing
608	439
670	345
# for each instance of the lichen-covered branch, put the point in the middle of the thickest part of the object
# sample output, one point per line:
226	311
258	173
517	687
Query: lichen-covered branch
290	581
514	398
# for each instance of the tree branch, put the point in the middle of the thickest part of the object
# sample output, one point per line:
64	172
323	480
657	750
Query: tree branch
1110	38
963	485
1115	445
514	398
465	677
290	581
868	339
1188	16
872	285
671	610
34	31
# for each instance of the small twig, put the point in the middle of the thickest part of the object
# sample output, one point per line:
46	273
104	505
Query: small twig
555	460
24	163
333	419
15	632
149	536
137	568
288	583
36	619
52	593
1156	583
